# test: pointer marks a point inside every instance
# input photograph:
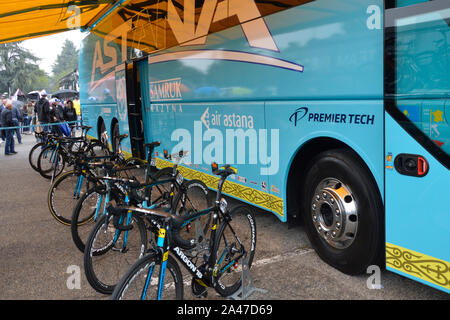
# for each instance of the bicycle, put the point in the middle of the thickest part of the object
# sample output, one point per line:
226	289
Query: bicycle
77	145
67	188
218	268
37	148
91	205
104	245
60	151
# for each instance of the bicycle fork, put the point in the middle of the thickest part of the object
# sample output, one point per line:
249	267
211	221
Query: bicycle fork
100	200
164	254
124	228
77	191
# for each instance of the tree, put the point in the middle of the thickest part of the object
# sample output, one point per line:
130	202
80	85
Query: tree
19	69
66	62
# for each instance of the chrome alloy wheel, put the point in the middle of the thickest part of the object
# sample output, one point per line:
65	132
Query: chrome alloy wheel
334	213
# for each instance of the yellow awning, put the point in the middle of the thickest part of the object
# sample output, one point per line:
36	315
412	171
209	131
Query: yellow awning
151	23
160	24
25	19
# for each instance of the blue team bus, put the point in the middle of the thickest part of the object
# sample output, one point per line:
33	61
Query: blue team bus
335	113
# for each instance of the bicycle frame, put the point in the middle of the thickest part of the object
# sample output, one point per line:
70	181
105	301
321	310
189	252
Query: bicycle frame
127	201
163	249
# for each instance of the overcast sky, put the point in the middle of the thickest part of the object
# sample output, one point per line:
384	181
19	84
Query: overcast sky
47	48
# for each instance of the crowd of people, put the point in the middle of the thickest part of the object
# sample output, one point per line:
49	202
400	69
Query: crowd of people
42	115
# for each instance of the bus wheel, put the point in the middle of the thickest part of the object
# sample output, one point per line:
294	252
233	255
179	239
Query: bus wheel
342	211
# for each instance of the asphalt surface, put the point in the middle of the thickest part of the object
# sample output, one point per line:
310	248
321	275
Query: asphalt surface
38	257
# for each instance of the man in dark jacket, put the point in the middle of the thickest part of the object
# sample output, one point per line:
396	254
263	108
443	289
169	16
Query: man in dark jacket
42	109
2	107
17	117
7	121
55	116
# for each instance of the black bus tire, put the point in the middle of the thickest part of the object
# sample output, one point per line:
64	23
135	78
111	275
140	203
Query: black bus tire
343	212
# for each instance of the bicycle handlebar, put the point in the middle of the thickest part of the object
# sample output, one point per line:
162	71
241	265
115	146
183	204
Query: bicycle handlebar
130	183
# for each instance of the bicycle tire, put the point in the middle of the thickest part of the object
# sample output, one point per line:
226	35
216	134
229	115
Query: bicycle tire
34	152
102	267
138	173
44	160
243	224
64	214
197	198
83	216
135	278
157	191
80	145
96	148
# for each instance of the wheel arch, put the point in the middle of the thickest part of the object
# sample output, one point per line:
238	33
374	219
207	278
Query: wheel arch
299	165
100	124
114	121
112	141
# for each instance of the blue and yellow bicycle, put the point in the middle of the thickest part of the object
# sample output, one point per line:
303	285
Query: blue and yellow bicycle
218	260
109	250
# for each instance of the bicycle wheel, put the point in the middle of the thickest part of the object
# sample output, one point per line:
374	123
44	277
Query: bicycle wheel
87	211
48	159
141	282
195	199
96	149
159	193
105	259
235	240
63	196
136	173
81	145
34	155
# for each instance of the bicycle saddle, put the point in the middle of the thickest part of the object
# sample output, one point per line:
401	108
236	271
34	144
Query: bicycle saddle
223	171
153	144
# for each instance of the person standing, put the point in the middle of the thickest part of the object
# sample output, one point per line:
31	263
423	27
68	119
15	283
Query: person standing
27	111
2	107
7	121
54	117
70	114
76	105
42	109
60	109
17	118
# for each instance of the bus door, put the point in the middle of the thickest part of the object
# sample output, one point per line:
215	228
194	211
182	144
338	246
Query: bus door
417	140
135	110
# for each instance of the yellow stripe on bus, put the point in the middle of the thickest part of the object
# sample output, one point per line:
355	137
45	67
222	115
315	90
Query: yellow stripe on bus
257	197
418	265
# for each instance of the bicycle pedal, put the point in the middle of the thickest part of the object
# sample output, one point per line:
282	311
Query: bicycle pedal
121	250
198	290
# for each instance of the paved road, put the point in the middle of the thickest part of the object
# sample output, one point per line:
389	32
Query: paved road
36	252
